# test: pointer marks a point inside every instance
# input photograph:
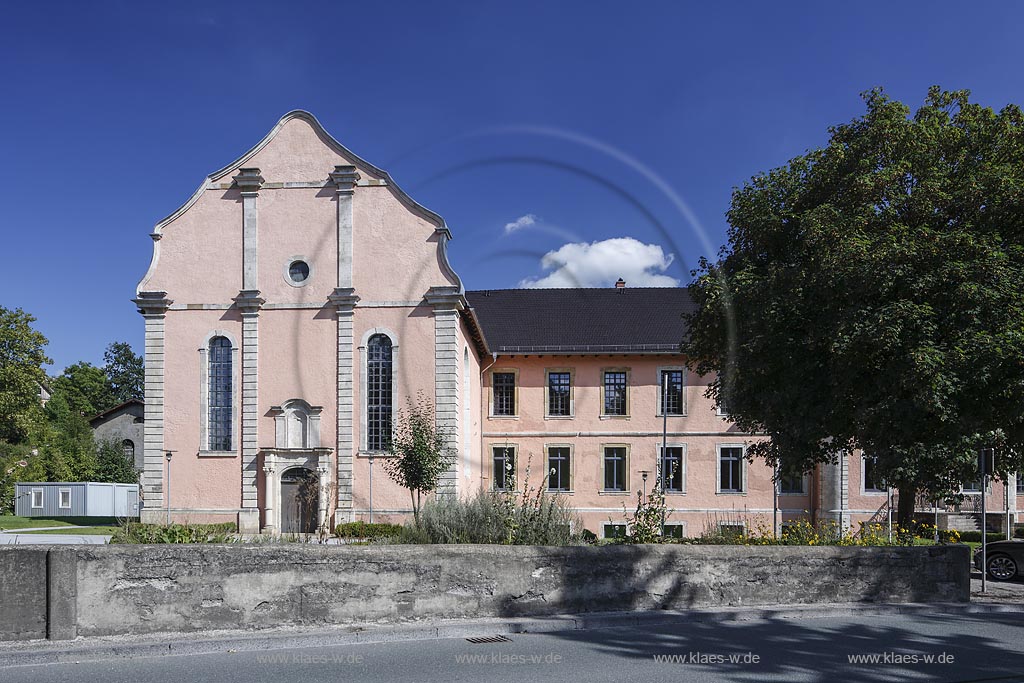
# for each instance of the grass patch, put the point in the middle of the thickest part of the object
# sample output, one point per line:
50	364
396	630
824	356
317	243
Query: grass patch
8	522
78	531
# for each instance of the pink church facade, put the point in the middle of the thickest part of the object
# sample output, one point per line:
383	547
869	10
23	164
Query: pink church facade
299	298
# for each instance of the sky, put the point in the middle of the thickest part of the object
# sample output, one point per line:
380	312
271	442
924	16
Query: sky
565	143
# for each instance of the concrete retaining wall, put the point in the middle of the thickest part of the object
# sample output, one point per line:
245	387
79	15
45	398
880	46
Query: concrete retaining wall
106	590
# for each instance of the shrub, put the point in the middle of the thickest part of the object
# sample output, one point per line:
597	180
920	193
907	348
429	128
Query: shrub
135	532
975	537
495	518
1018	532
366	531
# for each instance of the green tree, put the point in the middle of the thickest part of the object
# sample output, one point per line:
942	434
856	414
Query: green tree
125	372
22	358
65	442
85	389
113	465
870	296
420	455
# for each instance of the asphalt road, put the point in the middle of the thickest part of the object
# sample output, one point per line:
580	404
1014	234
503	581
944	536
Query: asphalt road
951	647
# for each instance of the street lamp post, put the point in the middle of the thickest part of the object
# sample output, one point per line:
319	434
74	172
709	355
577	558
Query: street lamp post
643	475
168	494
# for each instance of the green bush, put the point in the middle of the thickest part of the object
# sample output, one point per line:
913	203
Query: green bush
366	531
1018	532
137	533
408	534
500	518
975	537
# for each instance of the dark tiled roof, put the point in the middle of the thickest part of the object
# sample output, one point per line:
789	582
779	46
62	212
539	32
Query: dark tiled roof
607	320
116	409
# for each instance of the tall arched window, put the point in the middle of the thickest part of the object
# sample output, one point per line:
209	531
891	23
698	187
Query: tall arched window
220	394
128	448
379	391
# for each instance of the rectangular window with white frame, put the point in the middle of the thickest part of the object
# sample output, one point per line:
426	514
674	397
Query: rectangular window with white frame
672	466
64	499
792	484
675	531
559	468
870	478
559	393
731	469
671	389
615	388
37	499
614	530
504	467
1020	483
504	394
616	467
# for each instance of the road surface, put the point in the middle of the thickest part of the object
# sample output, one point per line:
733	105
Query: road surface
941	647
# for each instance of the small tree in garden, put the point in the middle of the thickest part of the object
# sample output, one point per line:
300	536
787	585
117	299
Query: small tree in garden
419	451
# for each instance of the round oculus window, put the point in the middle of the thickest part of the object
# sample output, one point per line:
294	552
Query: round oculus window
298	271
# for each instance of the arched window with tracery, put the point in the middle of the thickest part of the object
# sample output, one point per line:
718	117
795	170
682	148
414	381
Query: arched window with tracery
379	392
220	394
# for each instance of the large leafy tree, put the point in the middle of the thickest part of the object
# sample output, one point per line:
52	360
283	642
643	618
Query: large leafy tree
22	356
871	296
125	372
85	389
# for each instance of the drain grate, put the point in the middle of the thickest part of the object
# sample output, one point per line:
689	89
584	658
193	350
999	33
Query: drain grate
489	639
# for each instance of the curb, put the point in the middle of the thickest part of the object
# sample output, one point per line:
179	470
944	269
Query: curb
38	652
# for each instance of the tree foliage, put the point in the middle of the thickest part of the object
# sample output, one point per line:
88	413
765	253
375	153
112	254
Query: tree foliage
419	451
125	372
22	357
870	296
112	465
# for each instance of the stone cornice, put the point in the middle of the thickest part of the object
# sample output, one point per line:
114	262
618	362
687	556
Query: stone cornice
249	301
345	177
153	303
343	298
446	298
248	180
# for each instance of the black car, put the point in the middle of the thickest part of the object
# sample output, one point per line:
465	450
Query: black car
1005	559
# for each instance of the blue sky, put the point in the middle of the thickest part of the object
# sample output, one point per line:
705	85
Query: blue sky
572	123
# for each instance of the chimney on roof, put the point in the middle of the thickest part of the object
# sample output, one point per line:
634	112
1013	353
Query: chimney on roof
620	284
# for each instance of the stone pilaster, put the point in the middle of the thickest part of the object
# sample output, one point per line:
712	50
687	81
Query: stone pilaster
345	178
249	303
271	519
153	307
249	181
834	491
344	301
447	302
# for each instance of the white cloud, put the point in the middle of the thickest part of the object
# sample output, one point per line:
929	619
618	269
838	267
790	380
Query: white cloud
520	223
600	264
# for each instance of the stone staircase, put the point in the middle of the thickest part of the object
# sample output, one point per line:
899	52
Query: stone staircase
963	521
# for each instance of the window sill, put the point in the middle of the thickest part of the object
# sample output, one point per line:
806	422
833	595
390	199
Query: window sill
615	417
883	493
559	417
217	454
567	492
792	495
374	454
730	493
670	415
502	417
602	492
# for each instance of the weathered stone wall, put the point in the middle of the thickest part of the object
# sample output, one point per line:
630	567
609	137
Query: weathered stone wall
145	589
